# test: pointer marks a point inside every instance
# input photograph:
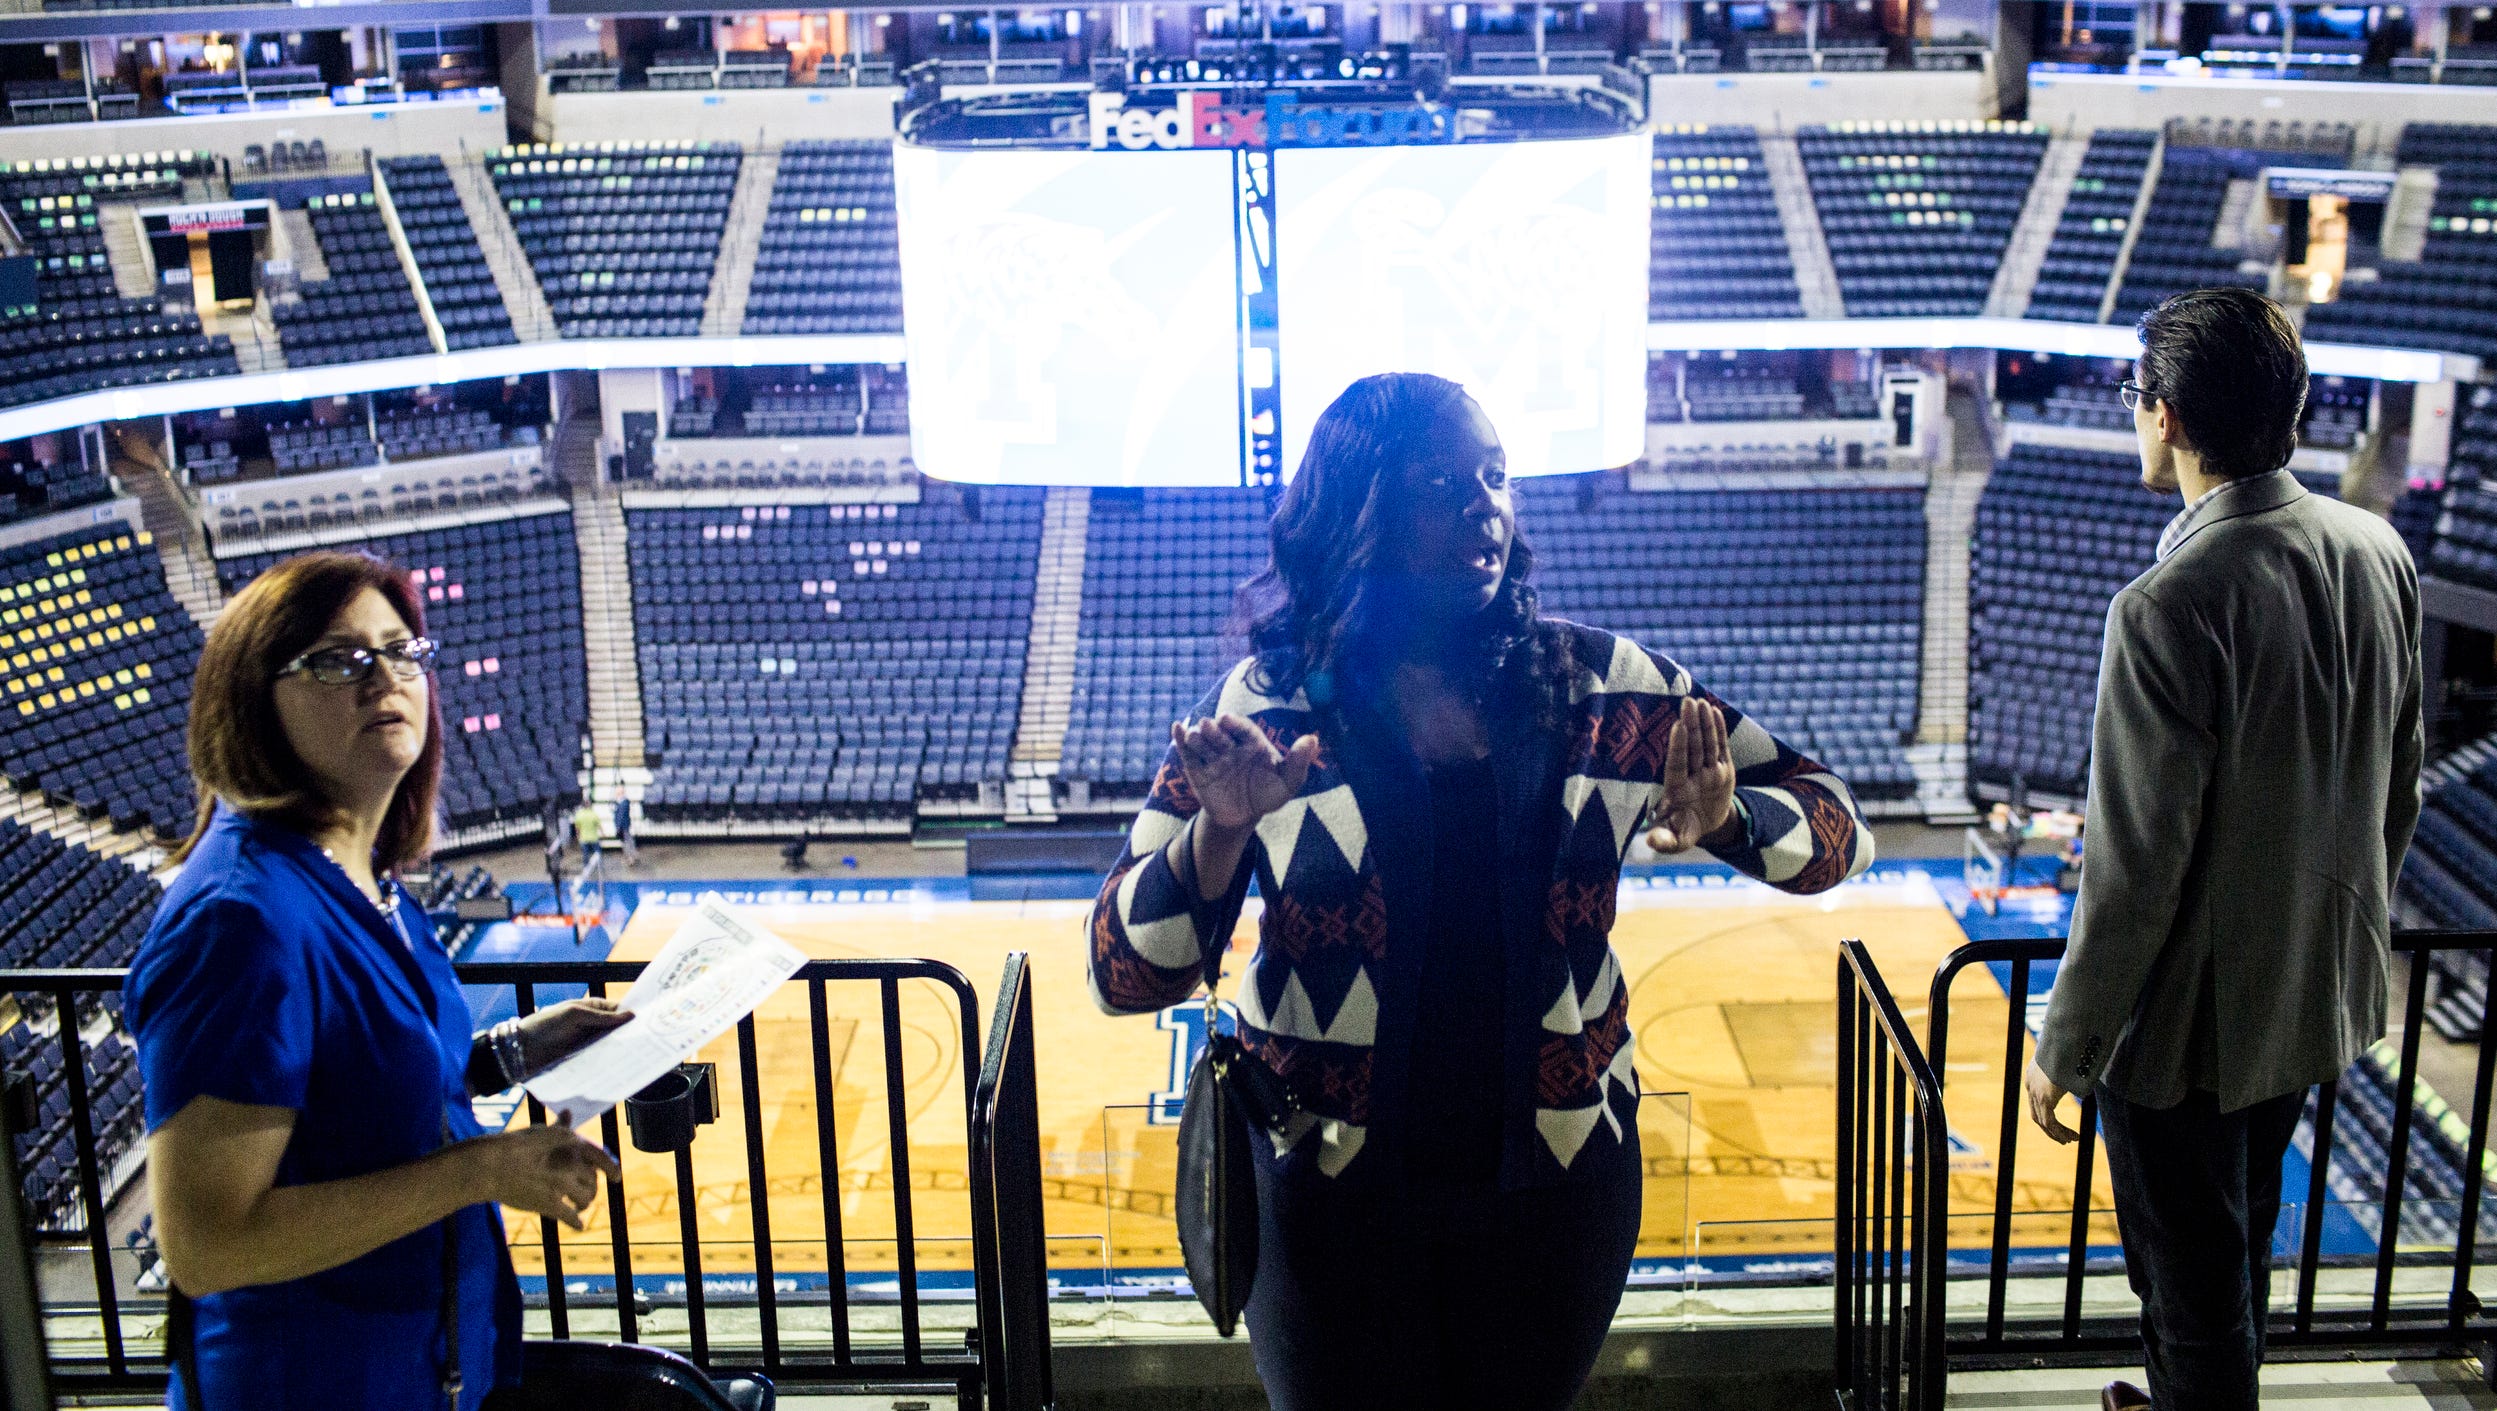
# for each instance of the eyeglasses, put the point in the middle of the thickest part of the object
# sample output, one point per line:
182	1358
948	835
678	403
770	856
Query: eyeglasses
344	666
2133	394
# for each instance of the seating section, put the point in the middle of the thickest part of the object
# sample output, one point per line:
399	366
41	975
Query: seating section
504	600
2059	531
48	1155
2173	252
465	299
2466	537
1917	214
414	434
2449	879
807	661
830	260
1737	391
2086	404
1718	249
829	408
2474	452
300	446
2072	283
82	336
1159	570
1803	608
29	488
623	236
365	310
413	488
98	657
2447	298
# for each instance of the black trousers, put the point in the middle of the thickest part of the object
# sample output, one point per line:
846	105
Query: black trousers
1450	1299
2197	1193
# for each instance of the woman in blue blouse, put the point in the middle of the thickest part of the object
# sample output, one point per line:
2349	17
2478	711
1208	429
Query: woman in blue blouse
325	1200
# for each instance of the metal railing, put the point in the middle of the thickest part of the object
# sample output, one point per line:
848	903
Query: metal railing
1893	1180
2371	1311
1003	1360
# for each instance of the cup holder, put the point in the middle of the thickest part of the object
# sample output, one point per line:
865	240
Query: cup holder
663	1116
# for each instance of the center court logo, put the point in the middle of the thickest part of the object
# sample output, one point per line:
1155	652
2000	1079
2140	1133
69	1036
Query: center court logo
1200	120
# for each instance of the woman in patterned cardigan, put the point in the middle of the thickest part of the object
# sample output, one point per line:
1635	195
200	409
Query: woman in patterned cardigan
1434	787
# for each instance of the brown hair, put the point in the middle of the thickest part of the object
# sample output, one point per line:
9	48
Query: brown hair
239	751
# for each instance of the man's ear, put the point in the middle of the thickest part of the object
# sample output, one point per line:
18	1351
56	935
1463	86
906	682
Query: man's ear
2171	431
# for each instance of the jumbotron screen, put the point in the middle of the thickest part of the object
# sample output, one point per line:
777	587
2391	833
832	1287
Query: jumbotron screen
1072	317
1517	268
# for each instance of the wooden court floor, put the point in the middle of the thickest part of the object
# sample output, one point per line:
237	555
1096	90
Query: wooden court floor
1732	998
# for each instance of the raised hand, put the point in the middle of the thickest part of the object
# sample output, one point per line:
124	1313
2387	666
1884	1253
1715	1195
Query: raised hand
1699	779
1237	773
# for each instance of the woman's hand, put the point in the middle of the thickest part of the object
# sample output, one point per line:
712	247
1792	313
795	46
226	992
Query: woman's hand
1236	772
1699	779
556	1032
550	1170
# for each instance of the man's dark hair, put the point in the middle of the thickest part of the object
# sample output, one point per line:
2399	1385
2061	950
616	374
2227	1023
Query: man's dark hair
2228	363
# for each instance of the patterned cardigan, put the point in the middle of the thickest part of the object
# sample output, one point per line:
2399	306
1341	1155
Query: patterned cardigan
1328	998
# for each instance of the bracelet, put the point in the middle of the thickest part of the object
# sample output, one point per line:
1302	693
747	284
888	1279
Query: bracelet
505	1040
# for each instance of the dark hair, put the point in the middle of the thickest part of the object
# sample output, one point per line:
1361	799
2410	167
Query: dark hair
239	751
2228	363
1318	595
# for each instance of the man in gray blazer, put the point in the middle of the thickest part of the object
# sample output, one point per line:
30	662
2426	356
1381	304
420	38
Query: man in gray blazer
2254	777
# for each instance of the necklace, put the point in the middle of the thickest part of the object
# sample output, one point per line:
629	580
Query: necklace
378	896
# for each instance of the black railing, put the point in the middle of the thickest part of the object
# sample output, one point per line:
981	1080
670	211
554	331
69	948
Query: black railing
1005	1357
1893	1178
2369	1313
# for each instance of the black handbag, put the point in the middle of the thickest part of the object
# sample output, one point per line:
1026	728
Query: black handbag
1233	1098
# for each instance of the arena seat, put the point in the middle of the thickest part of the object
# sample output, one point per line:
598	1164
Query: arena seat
1918	214
365	310
99	659
2447	298
1718	249
1159	570
504	599
623	236
2072	283
803	662
2059	531
82	335
1801	607
830	260
466	301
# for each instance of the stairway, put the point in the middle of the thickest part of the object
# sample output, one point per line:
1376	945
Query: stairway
190	572
513	277
732	280
1940	754
118	223
2133	228
1049	661
2406	214
606	607
1815	276
302	245
2025	254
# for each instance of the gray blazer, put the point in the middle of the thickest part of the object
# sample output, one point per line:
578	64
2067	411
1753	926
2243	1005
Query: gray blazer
2254	778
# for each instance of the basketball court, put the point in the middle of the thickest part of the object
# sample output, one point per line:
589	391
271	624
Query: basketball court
1731	994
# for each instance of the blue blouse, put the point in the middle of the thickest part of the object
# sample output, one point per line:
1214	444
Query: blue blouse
267	979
